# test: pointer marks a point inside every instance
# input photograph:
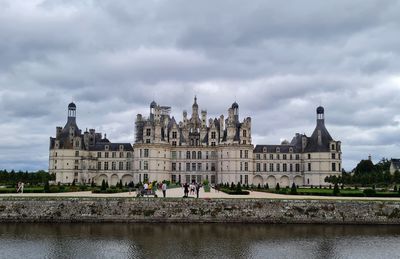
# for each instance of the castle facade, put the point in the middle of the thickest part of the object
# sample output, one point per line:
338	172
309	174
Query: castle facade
197	148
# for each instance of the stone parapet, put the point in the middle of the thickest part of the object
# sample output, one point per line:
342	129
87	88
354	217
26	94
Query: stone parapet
132	210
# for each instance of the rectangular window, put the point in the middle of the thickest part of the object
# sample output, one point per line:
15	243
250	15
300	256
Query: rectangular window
258	167
333	167
187	167
121	154
278	167
241	179
258	156
174	143
113	154
271	156
173	167
128	165
284	157
199	155
148	132
244	133
213	167
180	167
174	135
206	154
271	167
265	167
241	153
98	154
297	167
193	167
246	166
213	144
199	167
278	156
76	153
145	165
146	152
98	165
309	156
285	167
333	156
113	166
291	167
148	141
121	166
213	135
105	165
173	155
246	179
246	154
207	167
309	166
241	166
106	154
145	177
297	157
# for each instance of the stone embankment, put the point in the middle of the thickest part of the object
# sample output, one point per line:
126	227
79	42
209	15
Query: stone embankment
47	209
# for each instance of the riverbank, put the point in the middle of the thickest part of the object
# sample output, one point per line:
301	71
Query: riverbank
204	210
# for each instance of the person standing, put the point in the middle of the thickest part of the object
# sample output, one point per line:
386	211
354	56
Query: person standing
22	187
197	190
164	189
186	190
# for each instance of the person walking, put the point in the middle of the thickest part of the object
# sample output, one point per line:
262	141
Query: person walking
164	189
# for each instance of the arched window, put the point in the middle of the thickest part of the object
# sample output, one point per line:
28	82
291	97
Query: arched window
194	155
199	155
188	155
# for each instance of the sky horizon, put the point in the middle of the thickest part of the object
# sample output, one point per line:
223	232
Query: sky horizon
278	61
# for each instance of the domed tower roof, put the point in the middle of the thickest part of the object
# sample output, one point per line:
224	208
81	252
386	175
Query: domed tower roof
320	110
153	104
235	105
72	106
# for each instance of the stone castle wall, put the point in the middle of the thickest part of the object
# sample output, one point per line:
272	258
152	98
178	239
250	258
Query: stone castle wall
45	209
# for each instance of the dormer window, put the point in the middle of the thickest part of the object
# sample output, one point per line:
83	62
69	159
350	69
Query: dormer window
333	147
213	135
291	150
245	133
148	132
278	150
174	134
121	147
107	147
265	150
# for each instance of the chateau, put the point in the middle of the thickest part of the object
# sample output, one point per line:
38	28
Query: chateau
197	148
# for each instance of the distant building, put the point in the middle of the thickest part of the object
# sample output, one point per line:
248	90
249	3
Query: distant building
88	157
394	165
197	148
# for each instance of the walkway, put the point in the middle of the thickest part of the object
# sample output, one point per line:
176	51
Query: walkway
178	193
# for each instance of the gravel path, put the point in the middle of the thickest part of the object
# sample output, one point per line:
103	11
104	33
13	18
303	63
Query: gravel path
178	193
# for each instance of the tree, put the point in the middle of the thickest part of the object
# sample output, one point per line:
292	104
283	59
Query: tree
277	188
46	187
336	190
293	190
259	186
103	185
267	186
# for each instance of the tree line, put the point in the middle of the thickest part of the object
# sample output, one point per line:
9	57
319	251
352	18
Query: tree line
32	178
367	174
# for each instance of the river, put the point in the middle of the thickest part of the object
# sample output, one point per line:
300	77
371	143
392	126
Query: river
197	241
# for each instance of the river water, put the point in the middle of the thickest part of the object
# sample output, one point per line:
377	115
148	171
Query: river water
197	241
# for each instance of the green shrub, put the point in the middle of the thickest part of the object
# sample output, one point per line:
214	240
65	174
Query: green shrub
336	190
369	192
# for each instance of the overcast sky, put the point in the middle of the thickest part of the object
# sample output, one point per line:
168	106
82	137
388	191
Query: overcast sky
278	59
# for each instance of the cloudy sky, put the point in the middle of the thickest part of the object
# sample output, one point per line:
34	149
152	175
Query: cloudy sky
278	59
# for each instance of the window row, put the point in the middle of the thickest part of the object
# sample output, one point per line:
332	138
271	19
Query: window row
114	166
113	154
278	157
272	167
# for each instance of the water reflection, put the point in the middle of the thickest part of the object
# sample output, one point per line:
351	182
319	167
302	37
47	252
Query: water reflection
197	241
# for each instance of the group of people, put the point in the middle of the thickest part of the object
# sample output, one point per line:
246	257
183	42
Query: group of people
20	187
193	188
148	188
